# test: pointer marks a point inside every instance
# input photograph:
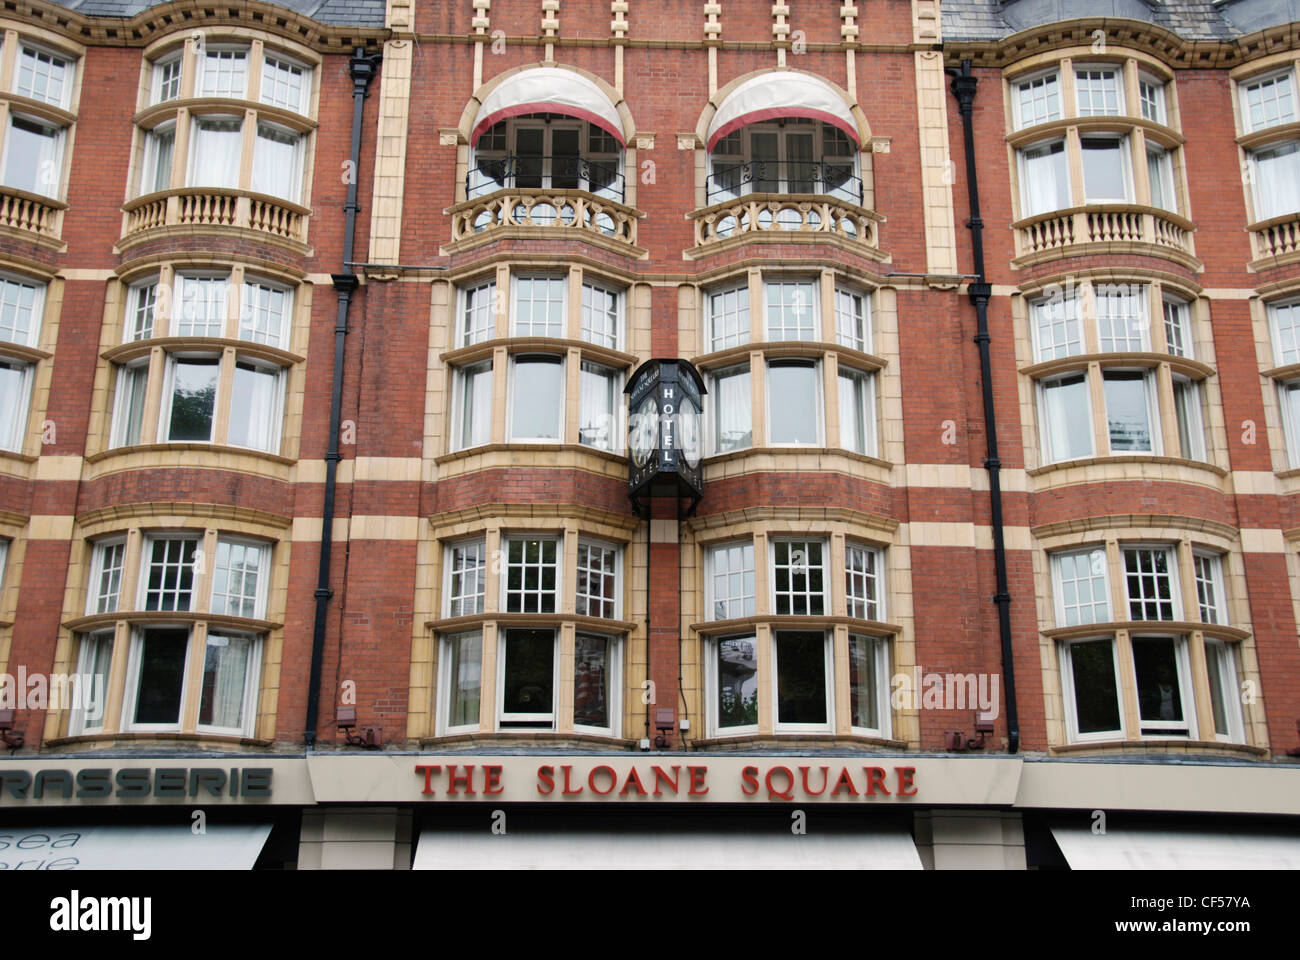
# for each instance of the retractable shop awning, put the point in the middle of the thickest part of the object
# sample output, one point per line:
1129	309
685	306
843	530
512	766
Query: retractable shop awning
129	847
548	90
1130	848
883	849
783	93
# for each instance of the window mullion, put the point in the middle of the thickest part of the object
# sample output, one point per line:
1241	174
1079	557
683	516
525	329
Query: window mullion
1202	712
204	575
562	674
1100	422
1165	407
225	393
234	302
1141	174
1074	161
193	677
838	563
831	402
1129	709
152	417
840	695
248	144
255	66
565	574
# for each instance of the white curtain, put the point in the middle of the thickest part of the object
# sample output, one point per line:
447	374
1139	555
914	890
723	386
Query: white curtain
225	671
252	408
1067	419
466	681
596	408
476	403
217	145
1278	188
1043	176
275	163
733	412
13	404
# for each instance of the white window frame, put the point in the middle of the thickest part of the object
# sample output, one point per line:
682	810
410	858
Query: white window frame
848	339
614	671
58	143
1175	580
85	669
1044	431
868	378
1022	171
828	669
37	318
1153	412
1158	103
178	302
1069	319
201	69
1124	149
304	90
149	159
881	578
516	313
813	307
449	570
156	77
264	572
711	599
296	165
712	681
1139	322
1182	323
881	646
1217	585
512	396
1117	80
712	341
501	716
825	568
1282	356
1070	701
131	692
1018	89
67	63
127	375
275	414
1290	422
612	341
1058	583
1191	390
247	331
1270	77
467	294
192	161
22	413
1257	180
1168	729
618	431
135	303
99	555
252	685
1164	163
458	381
146	564
1227	660
444	726
618	578
819	397
504	577
712	409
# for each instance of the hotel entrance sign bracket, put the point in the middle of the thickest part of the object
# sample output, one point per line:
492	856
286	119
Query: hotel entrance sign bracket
664	434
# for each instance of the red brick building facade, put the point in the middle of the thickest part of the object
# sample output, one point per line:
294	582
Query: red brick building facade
386	272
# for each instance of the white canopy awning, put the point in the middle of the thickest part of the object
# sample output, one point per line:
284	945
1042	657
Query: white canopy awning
1130	848
781	93
229	846
882	849
548	90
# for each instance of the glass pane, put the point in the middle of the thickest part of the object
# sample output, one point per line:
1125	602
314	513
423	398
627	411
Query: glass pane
591	681
793	400
855	426
564	158
538	403
1067	421
254	406
529	146
1104	179
162	675
1128	412
475	405
1219	667
800	677
464	673
216	149
597	411
13	404
864	690
763	149
529	673
1046	177
159	174
732	410
131	395
1155	665
1277	181
32	156
737	682
275	163
1095	695
194	395
226	660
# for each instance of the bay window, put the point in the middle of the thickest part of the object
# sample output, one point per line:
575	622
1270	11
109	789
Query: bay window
255	406
547	152
1284	332
1178	332
93	662
165	79
1289	399
799	581
189	399
1268	101
1265	102
792	156
43	76
794	403
240	572
539	306
1056	327
228	695
1160	177
729	581
285	83
108	561
1189	418
129	404
1121	317
264	313
596	668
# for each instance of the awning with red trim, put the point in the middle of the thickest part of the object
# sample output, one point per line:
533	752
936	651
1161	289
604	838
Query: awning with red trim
779	94
548	90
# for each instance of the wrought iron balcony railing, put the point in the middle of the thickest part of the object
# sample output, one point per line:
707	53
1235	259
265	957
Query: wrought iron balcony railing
826	177
600	177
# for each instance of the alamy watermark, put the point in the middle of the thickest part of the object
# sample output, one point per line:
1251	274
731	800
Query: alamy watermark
55	691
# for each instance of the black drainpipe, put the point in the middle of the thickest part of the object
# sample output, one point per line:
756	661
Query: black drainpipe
362	69
963	88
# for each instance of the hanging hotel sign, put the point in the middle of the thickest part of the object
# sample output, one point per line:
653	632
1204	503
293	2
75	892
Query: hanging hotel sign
665	431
